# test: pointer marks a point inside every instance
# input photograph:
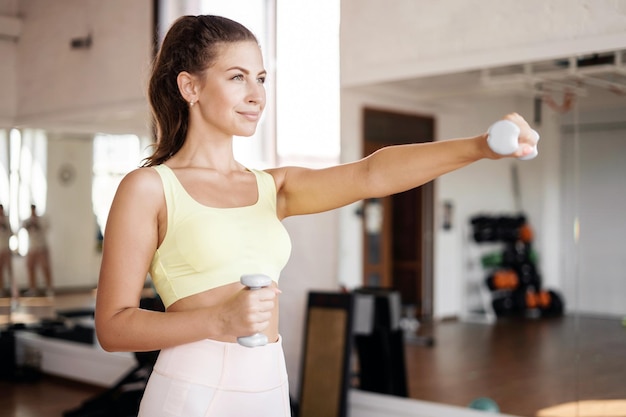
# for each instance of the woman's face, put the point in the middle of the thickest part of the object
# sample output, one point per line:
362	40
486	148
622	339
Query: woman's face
232	96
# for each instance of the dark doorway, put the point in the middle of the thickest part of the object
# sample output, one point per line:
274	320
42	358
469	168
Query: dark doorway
397	231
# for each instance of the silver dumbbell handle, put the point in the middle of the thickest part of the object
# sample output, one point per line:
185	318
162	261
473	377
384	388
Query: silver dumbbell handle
254	282
503	139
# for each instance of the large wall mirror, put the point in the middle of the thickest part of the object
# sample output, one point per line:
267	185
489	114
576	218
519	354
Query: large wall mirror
509	351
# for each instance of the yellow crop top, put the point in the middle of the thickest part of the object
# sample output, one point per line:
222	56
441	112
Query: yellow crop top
206	247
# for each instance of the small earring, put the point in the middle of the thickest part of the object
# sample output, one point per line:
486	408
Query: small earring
191	103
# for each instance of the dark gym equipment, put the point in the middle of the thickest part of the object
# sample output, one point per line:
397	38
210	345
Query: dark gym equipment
8	365
380	350
513	278
124	397
496	229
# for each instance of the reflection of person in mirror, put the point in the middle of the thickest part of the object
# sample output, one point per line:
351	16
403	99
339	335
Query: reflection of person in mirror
6	265
38	256
196	220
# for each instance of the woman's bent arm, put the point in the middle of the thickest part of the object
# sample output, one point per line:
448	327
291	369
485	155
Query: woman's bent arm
130	241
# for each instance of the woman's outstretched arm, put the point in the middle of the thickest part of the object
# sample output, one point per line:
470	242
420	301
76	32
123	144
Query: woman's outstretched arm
387	171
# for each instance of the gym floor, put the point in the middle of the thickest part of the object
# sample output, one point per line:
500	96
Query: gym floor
525	366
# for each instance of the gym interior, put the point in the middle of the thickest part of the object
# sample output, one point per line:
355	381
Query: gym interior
497	288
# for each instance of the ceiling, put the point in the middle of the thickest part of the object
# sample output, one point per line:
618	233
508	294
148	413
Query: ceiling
593	81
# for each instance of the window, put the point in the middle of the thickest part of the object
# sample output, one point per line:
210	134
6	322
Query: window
307	72
113	157
300	43
23	179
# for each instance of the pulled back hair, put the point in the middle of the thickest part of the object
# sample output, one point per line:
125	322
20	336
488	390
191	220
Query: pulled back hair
191	45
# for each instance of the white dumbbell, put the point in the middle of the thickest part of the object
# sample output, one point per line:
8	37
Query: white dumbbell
254	282
503	139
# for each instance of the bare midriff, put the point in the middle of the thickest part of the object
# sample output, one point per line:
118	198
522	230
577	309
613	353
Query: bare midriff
217	296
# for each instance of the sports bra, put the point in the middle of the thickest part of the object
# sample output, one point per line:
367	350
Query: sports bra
206	247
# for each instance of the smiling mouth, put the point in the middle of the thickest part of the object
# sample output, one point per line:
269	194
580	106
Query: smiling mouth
252	116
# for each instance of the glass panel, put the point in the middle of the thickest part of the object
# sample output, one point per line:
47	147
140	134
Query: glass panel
530	362
374	280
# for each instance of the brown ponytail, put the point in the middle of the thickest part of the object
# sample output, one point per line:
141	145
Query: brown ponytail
190	45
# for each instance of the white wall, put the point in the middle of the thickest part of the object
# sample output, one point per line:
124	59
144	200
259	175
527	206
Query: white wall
598	283
594	192
7	82
60	86
9	29
312	266
422	37
72	233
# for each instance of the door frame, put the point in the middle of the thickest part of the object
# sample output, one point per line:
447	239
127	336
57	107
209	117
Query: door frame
418	128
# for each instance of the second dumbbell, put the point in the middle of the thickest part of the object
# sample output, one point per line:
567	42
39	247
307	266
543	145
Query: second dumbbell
254	282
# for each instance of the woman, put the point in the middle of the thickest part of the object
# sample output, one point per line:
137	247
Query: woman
6	256
38	256
196	220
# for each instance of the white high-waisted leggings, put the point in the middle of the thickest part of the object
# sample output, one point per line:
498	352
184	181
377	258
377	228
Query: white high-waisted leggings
210	378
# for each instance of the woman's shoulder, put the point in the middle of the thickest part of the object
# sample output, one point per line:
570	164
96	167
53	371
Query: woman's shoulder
278	175
141	181
142	174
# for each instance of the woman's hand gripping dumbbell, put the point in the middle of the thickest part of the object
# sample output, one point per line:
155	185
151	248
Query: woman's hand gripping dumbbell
503	138
254	282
